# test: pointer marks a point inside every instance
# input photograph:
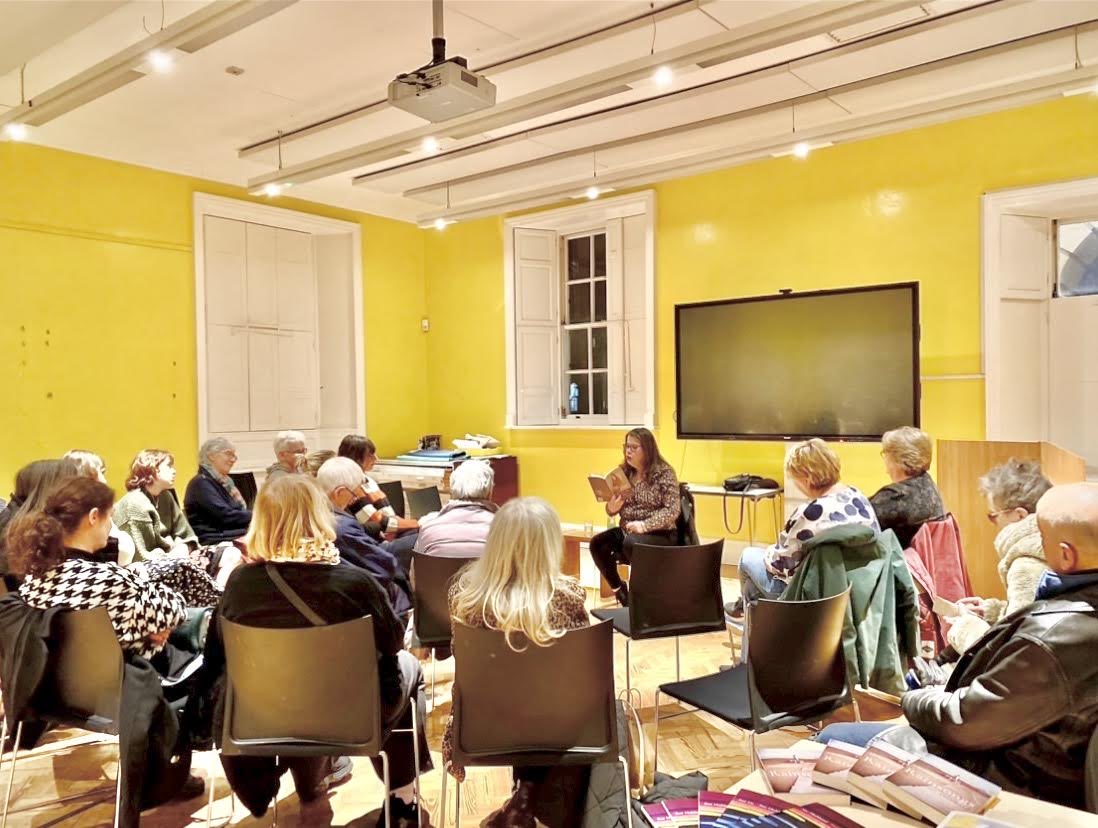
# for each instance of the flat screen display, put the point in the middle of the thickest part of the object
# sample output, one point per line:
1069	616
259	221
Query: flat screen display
839	364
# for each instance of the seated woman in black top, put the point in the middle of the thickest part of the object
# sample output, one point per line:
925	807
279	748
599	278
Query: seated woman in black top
911	499
647	512
215	507
292	530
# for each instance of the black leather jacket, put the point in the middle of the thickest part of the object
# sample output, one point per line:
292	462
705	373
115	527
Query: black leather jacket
1022	703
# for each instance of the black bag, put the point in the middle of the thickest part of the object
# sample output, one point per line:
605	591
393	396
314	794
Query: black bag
743	482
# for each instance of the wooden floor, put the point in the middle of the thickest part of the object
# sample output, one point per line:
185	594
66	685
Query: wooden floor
80	774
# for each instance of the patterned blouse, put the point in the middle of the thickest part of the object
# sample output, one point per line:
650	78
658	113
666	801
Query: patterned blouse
654	500
845	506
376	507
137	606
566	612
905	506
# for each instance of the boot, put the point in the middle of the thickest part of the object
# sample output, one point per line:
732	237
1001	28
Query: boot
517	812
622	594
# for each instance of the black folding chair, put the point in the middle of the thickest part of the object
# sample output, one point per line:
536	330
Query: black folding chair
394	493
423	501
431	579
279	691
84	687
673	591
795	672
245	482
538	706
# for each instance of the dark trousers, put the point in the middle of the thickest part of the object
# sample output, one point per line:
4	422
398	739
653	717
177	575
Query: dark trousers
401	548
255	778
615	546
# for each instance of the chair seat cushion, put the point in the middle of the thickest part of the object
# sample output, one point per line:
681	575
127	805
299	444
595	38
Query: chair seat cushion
618	617
723	694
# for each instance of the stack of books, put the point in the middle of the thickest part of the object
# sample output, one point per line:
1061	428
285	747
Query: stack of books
743	810
921	786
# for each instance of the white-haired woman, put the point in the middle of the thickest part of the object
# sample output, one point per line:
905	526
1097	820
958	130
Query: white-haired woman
214	505
290	451
911	499
291	550
460	529
516	586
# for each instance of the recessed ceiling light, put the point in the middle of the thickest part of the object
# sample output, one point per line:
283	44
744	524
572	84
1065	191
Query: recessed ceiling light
592	193
440	223
160	61
430	145
663	76
16	132
235	71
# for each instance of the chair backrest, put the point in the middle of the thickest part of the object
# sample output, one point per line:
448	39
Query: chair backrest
431	576
291	692
555	701
245	483
86	669
685	527
795	652
675	590
394	493
423	501
1091	774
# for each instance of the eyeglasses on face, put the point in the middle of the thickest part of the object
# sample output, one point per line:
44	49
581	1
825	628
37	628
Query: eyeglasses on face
630	446
993	516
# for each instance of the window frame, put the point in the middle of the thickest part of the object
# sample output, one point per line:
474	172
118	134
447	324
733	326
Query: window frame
566	326
581	220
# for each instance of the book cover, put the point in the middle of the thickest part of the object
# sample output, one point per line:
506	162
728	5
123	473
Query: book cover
868	774
960	819
932	788
748	809
814	815
834	765
684	812
657	815
788	775
711	805
605	487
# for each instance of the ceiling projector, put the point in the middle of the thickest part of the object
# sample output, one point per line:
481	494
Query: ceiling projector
441	91
444	88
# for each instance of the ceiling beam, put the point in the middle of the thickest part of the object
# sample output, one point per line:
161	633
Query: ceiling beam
780	30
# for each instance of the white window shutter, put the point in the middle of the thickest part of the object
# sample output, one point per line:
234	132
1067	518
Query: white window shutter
537	327
263	380
615	327
224	248
296	292
227	378
262	275
297	391
635	319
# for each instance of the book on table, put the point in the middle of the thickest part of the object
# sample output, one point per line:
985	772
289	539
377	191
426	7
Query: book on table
610	484
963	819
683	812
931	787
879	761
787	773
833	766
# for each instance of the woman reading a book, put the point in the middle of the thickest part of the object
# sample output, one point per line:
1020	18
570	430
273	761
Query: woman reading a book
647	510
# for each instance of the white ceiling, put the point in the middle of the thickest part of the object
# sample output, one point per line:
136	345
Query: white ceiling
831	70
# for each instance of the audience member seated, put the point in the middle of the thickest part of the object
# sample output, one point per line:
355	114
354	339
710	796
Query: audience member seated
32	483
911	499
215	507
289	448
376	508
1012	491
292	532
315	459
1022	704
517	587
814	469
54	550
341	480
120	546
460	529
647	512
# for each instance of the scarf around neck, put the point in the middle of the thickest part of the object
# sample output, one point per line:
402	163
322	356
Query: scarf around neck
226	483
309	550
1021	539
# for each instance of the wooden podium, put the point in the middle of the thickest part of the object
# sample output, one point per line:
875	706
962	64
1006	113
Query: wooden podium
961	464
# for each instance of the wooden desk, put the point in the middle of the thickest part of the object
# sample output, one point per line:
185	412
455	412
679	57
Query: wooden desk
570	563
1013	809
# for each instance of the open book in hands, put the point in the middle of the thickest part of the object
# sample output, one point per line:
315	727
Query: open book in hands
613	483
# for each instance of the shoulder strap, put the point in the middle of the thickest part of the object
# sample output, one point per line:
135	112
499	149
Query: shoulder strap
294	598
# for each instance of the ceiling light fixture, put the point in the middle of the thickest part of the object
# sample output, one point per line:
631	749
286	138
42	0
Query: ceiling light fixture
801	149
1092	89
16	132
161	62
271	190
430	145
664	76
440	224
592	193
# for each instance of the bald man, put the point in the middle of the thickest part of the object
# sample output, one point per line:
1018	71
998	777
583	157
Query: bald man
1022	703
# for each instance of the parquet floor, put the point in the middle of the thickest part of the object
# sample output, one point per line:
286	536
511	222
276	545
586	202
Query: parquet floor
81	774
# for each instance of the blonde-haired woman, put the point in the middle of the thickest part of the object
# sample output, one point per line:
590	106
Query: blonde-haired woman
814	468
516	586
911	499
291	551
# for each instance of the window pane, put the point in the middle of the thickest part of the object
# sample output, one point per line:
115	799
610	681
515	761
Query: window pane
600	254
598	354
598	392
579	258
579	302
577	349
600	301
579	397
1078	263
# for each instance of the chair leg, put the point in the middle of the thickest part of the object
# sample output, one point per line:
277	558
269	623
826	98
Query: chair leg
210	802
457	805
655	739
628	796
678	661
11	772
731	642
434	675
628	686
118	790
442	799
3	733
415	753
751	749
274	808
385	780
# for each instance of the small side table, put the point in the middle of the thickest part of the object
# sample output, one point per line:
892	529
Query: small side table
749	507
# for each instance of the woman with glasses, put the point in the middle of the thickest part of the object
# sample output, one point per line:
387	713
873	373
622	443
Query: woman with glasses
1012	491
647	512
214	505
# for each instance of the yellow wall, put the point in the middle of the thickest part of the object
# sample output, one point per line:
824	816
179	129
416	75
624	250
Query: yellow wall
896	208
98	321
